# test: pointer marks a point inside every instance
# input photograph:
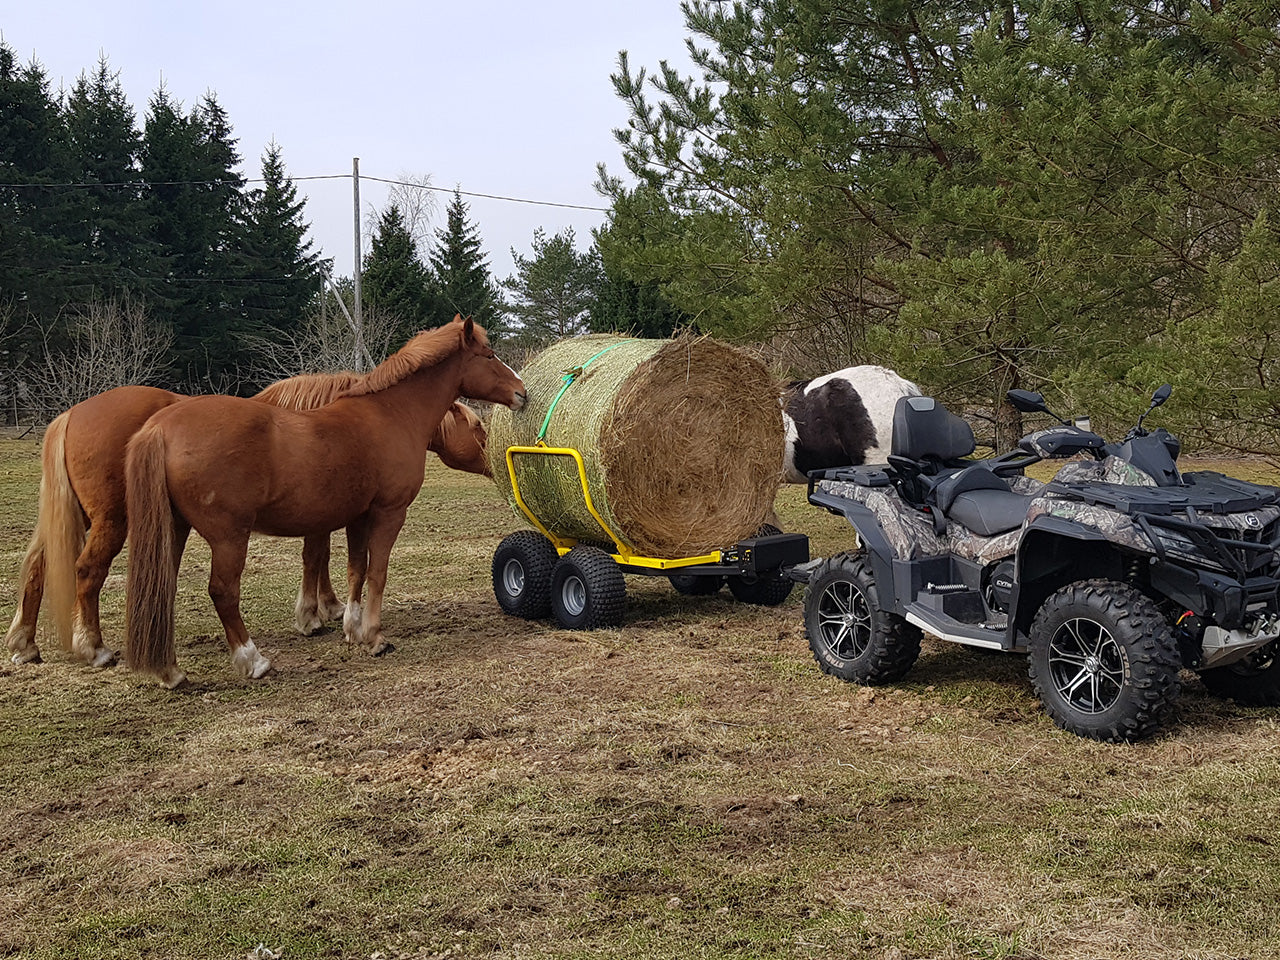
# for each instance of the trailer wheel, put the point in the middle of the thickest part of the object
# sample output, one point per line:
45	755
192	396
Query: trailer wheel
1104	662
522	567
766	591
587	590
851	635
692	585
1252	682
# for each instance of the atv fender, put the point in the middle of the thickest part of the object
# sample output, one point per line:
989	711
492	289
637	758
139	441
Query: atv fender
1051	553
870	534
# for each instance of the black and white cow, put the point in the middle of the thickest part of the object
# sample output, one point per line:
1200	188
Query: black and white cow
841	419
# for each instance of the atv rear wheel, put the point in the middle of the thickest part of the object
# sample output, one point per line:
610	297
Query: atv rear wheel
851	635
1253	681
767	590
1104	661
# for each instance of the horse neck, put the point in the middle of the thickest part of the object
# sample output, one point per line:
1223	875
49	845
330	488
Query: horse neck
420	401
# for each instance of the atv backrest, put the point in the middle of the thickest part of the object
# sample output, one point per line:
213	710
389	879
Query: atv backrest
924	429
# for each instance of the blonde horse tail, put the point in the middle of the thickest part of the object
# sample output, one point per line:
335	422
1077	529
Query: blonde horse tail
59	535
152	583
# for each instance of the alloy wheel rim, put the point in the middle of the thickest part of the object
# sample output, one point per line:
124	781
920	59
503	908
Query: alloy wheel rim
844	620
1086	666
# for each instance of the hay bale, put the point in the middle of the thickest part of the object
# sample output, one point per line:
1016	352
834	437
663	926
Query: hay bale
682	442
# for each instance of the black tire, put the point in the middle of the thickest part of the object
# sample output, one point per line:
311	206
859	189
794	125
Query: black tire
587	590
767	591
692	585
1253	681
522	567
851	635
1104	662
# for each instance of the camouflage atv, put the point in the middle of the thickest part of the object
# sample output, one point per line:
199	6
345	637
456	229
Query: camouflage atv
1113	576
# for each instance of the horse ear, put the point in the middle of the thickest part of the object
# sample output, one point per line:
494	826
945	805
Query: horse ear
468	329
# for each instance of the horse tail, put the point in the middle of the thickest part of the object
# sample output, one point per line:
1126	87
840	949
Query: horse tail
152	583
59	534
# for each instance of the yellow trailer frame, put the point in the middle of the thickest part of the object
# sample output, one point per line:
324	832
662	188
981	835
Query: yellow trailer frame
624	556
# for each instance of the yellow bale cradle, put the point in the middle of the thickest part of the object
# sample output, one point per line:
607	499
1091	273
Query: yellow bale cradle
682	442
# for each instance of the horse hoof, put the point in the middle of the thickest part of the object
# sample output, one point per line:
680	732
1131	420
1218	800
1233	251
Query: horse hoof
249	662
311	627
173	678
26	656
383	647
103	657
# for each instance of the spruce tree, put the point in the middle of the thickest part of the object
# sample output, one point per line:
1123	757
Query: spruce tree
108	221
36	261
280	274
461	283
395	280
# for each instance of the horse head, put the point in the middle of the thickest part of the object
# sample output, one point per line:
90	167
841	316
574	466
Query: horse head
459	440
484	376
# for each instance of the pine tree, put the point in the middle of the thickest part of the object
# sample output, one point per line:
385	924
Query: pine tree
395	281
461	283
552	292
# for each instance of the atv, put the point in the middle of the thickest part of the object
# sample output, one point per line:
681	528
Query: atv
1113	576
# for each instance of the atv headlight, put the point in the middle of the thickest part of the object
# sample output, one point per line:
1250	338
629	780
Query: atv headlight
1179	544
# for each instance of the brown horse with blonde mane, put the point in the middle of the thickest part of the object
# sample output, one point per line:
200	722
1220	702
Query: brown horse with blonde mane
81	525
226	467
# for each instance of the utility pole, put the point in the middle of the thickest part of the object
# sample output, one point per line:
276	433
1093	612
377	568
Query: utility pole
358	321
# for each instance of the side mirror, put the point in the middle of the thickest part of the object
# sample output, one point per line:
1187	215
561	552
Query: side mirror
1161	395
1027	401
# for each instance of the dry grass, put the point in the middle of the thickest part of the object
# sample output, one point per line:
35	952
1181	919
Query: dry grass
689	785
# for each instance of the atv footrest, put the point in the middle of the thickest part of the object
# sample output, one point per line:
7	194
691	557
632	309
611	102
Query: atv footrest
954	601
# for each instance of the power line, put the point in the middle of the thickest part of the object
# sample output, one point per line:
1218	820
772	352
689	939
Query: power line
80	185
486	196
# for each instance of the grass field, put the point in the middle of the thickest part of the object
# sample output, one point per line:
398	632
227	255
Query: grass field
689	785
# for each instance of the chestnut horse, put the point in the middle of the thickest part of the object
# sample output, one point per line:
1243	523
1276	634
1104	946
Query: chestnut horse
226	467
82	483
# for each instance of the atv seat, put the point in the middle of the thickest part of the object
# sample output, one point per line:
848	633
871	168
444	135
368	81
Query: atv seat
980	501
928	442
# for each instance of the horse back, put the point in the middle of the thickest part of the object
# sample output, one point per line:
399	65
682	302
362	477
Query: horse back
97	433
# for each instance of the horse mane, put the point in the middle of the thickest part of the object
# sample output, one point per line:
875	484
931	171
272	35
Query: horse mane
424	349
308	390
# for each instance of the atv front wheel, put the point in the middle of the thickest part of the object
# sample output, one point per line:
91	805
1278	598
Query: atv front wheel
1104	661
851	635
1252	682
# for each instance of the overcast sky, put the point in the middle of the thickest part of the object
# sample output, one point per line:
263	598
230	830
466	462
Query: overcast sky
508	98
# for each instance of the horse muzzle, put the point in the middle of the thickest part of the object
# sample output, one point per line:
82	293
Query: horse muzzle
518	400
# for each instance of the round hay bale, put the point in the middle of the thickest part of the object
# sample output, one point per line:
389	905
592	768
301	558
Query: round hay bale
682	441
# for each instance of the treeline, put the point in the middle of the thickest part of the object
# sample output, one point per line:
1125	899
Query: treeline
136	252
152	230
1078	197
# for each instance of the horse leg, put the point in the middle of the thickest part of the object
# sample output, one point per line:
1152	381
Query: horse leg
307	617
104	543
382	537
327	602
21	639
357	567
226	567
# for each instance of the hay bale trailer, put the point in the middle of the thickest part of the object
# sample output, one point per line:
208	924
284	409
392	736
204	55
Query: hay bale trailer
650	457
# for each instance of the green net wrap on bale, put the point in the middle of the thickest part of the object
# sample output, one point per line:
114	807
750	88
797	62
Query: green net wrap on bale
682	441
